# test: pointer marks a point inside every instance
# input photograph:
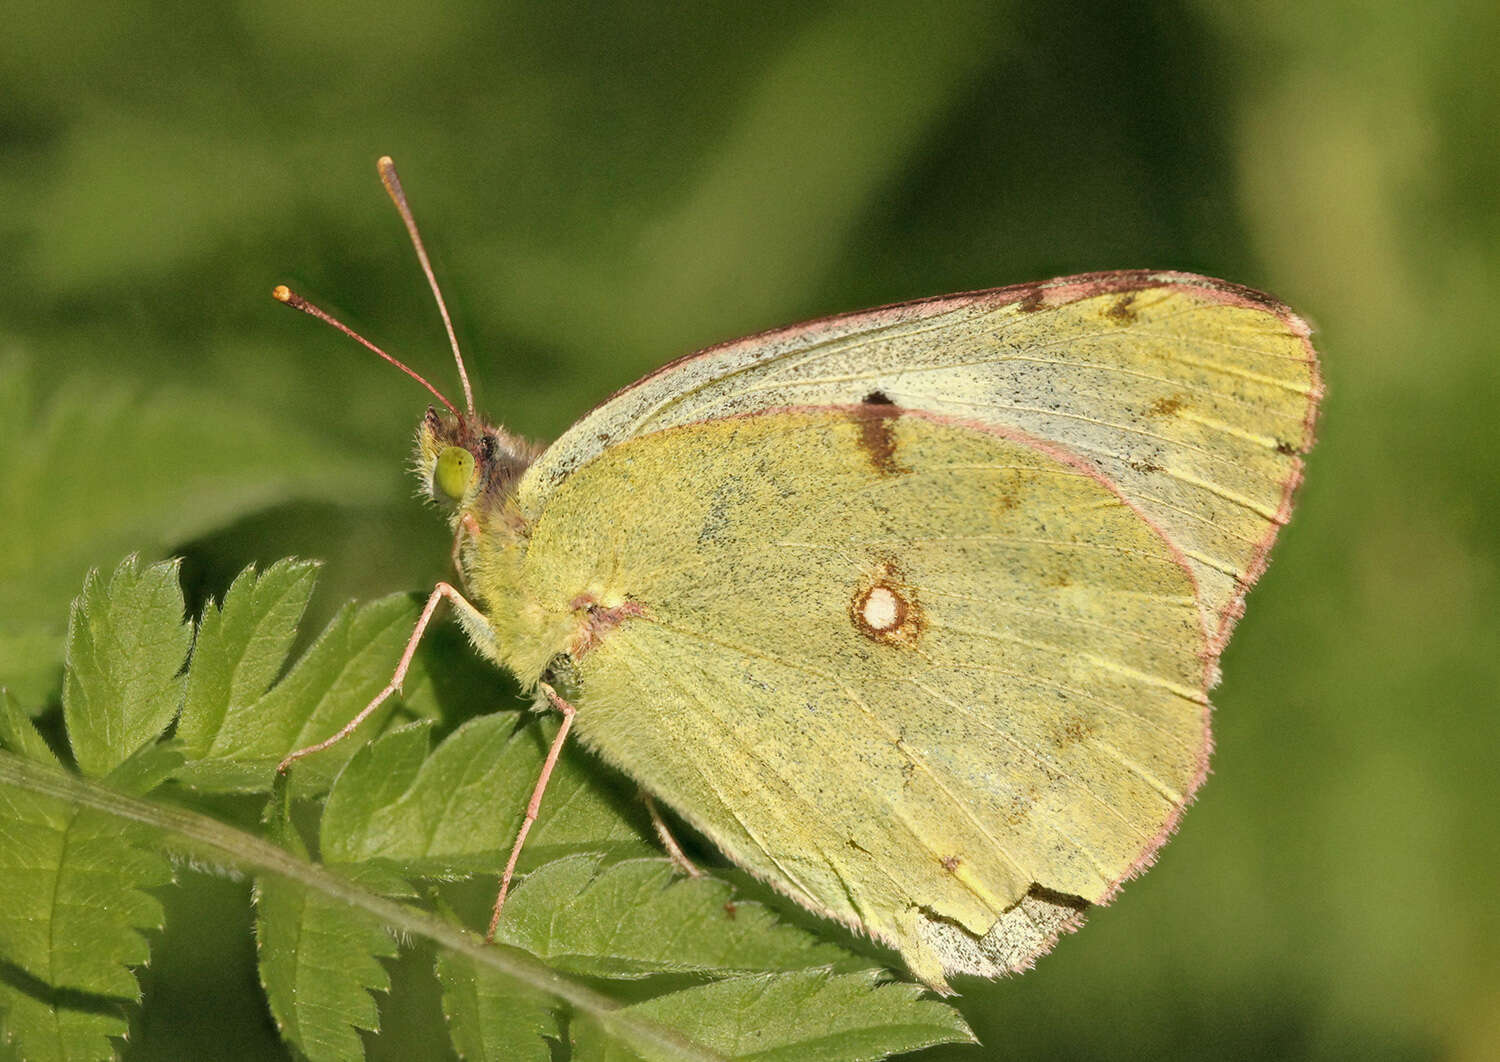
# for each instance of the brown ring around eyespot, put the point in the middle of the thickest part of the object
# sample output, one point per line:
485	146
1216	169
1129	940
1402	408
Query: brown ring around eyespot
885	609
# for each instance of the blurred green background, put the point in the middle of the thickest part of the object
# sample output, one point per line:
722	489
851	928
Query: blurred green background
605	186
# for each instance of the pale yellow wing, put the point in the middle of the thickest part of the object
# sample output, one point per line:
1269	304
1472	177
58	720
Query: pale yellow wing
934	680
1193	396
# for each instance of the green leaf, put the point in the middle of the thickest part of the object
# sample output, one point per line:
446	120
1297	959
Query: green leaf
489	1019
19	734
95	468
72	913
127	641
72	905
205	838
319	964
241	647
357	824
639	917
350	663
797	1017
458	810
148	767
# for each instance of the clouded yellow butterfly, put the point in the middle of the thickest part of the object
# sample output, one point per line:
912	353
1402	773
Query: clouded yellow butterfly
912	612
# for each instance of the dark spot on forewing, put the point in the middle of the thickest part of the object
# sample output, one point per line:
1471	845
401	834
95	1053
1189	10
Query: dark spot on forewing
1020	807
1056	578
876	417
1123	311
1033	301
1073	731
1166	406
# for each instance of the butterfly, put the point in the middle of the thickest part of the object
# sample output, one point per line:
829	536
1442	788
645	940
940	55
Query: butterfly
913	613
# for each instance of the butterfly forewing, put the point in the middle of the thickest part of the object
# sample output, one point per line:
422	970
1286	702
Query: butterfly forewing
1193	396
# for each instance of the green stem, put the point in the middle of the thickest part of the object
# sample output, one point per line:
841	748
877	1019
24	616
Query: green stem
227	845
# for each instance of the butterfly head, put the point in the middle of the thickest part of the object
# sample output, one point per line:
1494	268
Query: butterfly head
466	465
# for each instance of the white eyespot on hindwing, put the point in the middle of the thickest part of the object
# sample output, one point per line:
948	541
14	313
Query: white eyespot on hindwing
884	607
881	610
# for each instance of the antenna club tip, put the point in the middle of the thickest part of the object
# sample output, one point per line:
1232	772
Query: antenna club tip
281	293
392	183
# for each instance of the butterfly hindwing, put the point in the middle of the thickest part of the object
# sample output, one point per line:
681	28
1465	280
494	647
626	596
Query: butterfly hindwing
923	673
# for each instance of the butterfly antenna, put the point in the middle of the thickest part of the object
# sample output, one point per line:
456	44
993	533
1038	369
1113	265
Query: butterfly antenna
282	293
398	196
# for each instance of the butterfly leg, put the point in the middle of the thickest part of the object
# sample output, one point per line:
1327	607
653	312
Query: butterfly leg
440	591
568	711
664	835
470	526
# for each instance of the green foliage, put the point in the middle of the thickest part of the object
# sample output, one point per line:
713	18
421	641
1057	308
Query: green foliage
457	810
240	650
73	909
126	645
18	733
319	962
809	1016
66	500
490	1019
608	922
237	731
687	970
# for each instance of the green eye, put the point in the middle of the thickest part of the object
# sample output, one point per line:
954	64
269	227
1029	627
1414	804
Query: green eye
455	467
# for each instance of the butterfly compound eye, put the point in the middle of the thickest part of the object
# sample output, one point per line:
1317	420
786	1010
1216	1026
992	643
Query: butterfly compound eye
455	467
